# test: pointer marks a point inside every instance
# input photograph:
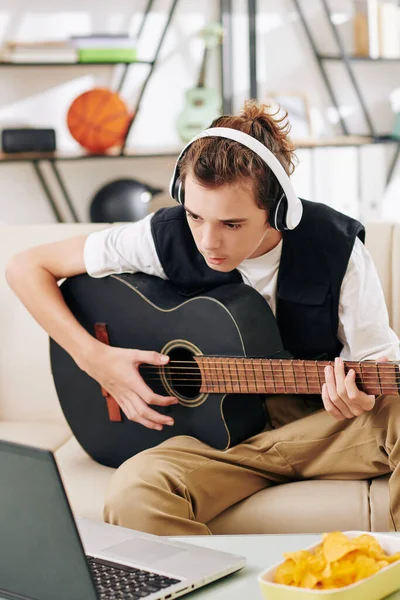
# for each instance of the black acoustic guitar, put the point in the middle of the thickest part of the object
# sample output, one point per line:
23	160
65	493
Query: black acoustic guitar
217	343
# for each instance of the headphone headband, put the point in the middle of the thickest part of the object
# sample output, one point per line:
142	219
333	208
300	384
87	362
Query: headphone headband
294	205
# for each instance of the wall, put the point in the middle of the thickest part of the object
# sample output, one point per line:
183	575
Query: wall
350	179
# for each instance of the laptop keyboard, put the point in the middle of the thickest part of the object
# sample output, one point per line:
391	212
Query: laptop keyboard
117	582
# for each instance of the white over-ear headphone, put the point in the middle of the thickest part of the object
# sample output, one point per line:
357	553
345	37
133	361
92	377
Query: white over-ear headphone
288	211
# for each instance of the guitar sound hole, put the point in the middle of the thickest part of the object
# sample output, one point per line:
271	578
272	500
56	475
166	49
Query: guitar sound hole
183	374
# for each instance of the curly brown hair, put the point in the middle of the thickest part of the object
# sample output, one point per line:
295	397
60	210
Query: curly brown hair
218	161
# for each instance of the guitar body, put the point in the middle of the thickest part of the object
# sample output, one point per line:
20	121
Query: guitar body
147	313
202	106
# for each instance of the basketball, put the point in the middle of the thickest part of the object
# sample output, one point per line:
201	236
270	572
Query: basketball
98	119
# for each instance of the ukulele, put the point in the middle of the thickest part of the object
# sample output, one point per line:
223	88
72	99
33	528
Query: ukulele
202	104
218	343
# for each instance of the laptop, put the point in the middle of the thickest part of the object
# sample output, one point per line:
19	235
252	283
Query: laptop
45	553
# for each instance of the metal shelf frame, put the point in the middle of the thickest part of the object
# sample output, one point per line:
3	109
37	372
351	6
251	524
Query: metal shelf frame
347	60
52	160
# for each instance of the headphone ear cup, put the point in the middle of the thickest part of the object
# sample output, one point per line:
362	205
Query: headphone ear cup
278	215
177	192
181	193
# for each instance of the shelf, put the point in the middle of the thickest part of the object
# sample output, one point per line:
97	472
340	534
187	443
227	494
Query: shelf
322	142
342	140
64	156
356	58
72	64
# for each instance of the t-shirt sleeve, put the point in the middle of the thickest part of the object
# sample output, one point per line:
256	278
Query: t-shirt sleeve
363	317
123	249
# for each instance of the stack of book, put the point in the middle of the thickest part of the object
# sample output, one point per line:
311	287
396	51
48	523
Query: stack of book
101	48
111	48
39	52
377	29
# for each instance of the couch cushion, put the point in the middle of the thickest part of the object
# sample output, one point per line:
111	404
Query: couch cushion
26	385
84	479
299	507
44	435
379	503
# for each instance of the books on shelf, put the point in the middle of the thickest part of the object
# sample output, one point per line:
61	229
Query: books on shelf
36	52
102	48
111	55
105	48
103	40
376	28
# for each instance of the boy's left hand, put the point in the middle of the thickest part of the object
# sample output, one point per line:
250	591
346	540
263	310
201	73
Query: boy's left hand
340	394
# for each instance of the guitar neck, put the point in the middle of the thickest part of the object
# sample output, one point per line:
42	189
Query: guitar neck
202	77
272	376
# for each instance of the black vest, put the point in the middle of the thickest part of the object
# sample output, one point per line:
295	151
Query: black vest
314	260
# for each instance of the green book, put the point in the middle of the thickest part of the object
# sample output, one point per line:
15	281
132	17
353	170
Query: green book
112	55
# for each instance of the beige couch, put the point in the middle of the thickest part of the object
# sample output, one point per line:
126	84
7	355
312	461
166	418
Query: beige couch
30	413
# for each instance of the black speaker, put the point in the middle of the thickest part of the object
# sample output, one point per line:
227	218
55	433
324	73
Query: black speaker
28	140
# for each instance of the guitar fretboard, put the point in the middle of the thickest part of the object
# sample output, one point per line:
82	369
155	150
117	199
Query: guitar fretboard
271	376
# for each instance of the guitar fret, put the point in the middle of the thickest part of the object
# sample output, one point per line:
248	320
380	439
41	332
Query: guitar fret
245	375
238	389
294	377
299	377
244	379
312	375
203	370
283	376
278	376
319	369
254	376
271	373
217	373
379	379
290	377
364	388
214	374
268	378
221	365
229	376
256	382
306	376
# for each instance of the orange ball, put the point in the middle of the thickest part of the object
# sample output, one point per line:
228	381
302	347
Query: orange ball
98	119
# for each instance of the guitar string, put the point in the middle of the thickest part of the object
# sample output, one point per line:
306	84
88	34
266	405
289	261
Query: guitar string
276	362
199	383
183	370
278	380
277	377
260	381
273	388
365	375
268	369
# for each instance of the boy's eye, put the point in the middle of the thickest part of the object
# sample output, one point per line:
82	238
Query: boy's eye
228	225
233	225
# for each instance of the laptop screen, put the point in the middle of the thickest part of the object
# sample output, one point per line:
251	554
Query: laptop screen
41	555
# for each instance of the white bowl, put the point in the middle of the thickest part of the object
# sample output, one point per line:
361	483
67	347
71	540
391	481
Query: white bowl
377	586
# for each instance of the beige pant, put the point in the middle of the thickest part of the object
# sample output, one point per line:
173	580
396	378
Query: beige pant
180	485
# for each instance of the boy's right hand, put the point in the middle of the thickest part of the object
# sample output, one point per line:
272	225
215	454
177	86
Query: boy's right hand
117	371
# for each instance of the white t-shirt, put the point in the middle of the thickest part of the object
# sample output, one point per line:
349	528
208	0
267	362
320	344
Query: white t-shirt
363	318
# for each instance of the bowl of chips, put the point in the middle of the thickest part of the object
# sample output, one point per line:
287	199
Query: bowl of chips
352	565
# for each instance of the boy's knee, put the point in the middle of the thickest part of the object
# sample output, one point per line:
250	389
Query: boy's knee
131	490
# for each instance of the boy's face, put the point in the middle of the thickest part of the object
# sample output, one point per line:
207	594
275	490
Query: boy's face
226	224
